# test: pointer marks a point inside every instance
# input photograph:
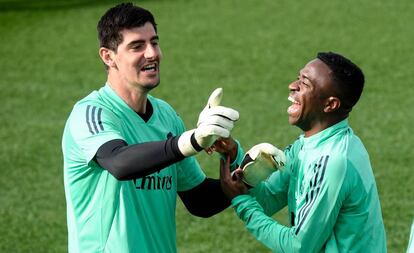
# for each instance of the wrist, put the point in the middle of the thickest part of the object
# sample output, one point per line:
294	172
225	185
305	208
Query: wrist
187	143
238	156
233	151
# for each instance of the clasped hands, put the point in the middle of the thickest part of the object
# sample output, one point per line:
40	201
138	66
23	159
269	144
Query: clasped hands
212	134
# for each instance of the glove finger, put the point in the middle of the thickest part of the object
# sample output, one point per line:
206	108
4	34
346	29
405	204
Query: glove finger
264	148
208	130
280	158
218	120
215	98
269	150
277	154
226	112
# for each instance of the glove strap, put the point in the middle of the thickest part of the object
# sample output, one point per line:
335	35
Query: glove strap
194	143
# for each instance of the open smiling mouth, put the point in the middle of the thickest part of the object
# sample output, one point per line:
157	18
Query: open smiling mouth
149	68
295	107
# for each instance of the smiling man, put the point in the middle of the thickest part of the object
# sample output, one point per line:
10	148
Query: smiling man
327	181
127	154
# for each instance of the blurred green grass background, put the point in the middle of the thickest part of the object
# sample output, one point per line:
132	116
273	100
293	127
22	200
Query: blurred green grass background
252	49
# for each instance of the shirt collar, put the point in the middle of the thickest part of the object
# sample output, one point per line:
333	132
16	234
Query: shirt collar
316	139
110	94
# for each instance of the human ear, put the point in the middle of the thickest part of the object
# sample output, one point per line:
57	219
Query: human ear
107	56
332	104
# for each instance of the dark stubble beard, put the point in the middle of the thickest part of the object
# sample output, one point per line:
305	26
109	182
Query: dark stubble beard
149	87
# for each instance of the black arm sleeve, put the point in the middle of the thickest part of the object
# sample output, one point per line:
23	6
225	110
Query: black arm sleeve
127	162
206	199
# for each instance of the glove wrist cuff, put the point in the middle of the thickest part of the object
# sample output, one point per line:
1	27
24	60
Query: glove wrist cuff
194	143
185	143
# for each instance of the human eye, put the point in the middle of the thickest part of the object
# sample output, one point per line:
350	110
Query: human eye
302	81
155	42
137	46
305	82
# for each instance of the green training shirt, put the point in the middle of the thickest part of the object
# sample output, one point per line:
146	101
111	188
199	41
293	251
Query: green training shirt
332	198
108	215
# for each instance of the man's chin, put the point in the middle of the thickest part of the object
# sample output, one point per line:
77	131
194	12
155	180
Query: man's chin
292	120
150	86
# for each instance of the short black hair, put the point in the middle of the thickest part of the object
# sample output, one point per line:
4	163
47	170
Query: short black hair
347	76
122	16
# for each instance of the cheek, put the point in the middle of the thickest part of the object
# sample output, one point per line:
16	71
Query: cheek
308	107
133	62
130	61
314	106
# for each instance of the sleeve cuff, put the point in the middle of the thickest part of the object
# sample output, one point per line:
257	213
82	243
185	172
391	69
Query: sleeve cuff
240	199
245	206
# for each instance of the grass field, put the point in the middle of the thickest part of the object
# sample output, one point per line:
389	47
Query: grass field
252	49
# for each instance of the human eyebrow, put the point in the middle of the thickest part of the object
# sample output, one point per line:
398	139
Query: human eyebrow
139	42
135	43
301	75
155	38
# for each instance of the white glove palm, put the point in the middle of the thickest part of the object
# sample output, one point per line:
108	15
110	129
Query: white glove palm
260	161
213	122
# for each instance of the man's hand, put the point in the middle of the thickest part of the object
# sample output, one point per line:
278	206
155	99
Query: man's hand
260	161
224	146
214	121
232	186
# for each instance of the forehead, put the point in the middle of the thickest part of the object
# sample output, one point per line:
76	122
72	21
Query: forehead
145	32
317	72
316	68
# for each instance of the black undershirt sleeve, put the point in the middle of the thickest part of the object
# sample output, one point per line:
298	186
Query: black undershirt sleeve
206	199
126	162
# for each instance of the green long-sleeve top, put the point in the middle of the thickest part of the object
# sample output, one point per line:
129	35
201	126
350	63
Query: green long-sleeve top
329	187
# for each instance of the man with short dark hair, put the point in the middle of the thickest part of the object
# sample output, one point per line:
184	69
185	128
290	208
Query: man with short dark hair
127	154
327	181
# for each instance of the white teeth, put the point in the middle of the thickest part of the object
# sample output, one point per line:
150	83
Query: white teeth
150	66
292	100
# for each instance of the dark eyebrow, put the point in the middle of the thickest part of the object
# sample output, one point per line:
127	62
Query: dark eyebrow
130	44
305	76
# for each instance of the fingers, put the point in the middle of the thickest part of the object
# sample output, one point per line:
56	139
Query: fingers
221	145
210	150
218	121
268	150
215	98
222	111
222	168
213	131
239	173
225	168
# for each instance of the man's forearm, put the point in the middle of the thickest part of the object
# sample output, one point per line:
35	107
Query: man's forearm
127	162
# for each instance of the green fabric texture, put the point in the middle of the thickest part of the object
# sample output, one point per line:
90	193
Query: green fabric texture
108	215
329	187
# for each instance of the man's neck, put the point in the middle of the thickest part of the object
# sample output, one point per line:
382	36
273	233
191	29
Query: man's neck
320	126
134	97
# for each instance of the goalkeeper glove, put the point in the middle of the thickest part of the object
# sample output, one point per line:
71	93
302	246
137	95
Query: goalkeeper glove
260	161
214	121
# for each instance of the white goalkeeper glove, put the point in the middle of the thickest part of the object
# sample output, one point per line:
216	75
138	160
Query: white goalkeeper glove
214	121
260	161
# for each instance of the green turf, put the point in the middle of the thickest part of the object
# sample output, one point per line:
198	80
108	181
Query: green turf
252	49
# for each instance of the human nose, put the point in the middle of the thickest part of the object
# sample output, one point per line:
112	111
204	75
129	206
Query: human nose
151	52
293	85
